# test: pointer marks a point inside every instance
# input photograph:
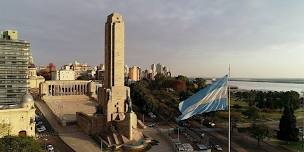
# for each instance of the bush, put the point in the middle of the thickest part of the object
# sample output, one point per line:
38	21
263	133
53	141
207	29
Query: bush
18	144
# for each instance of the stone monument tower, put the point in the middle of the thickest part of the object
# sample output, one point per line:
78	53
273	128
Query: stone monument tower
114	97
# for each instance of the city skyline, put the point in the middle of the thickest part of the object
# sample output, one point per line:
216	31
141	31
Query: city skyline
258	38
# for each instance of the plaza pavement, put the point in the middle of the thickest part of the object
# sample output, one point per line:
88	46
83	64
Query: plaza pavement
71	135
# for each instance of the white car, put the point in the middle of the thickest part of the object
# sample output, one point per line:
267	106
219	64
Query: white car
211	124
41	128
50	148
218	148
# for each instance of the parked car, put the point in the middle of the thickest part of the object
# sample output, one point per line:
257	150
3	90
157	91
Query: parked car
37	118
218	148
50	148
41	128
211	124
39	123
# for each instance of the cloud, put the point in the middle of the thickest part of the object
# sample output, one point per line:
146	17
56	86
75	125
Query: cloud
192	37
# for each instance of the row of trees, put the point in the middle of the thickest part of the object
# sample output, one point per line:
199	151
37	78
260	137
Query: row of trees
163	94
269	99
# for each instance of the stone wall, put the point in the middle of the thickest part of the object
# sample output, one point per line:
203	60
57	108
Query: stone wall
50	89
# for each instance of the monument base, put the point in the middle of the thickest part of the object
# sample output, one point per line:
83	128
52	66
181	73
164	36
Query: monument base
114	133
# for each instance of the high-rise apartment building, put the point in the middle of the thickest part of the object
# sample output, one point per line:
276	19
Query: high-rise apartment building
14	62
134	73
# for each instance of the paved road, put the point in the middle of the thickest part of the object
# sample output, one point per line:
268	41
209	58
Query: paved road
164	144
250	144
216	138
71	135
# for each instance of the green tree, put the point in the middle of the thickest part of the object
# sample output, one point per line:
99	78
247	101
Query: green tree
183	78
288	126
19	144
201	83
252	113
260	132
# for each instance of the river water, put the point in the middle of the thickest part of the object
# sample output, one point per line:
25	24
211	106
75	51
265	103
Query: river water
268	86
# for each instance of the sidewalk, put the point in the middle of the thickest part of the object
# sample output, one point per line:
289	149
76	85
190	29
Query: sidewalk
71	135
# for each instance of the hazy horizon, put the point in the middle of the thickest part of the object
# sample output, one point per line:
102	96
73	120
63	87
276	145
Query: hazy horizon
259	39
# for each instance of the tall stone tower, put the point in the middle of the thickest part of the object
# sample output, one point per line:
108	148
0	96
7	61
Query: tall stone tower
114	96
114	51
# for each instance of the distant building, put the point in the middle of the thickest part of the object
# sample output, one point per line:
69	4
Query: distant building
64	74
126	72
159	68
33	79
153	70
134	73
147	74
14	62
80	69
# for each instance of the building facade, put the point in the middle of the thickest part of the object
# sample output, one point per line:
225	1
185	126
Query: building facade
14	62
63	74
18	120
33	79
50	89
134	73
80	69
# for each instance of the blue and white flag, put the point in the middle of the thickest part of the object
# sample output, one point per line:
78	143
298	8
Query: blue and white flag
212	98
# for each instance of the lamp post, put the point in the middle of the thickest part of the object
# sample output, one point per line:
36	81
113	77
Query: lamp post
100	145
178	133
143	118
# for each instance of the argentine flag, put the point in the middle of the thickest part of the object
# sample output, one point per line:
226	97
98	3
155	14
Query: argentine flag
212	98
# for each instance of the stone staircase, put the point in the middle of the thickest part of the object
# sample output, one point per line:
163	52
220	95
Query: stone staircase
116	139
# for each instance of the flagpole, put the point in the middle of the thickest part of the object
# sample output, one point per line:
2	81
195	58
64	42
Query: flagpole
229	120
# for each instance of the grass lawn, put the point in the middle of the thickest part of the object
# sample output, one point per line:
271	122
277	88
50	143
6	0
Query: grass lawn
295	146
273	115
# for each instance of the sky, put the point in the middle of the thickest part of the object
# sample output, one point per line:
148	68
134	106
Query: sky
196	38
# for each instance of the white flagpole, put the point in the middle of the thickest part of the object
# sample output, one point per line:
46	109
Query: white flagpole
229	120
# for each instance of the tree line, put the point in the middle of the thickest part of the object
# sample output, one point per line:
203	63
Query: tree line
162	95
269	99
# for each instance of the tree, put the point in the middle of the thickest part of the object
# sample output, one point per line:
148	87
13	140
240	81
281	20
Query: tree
260	132
201	83
288	125
183	78
18	144
179	85
252	113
